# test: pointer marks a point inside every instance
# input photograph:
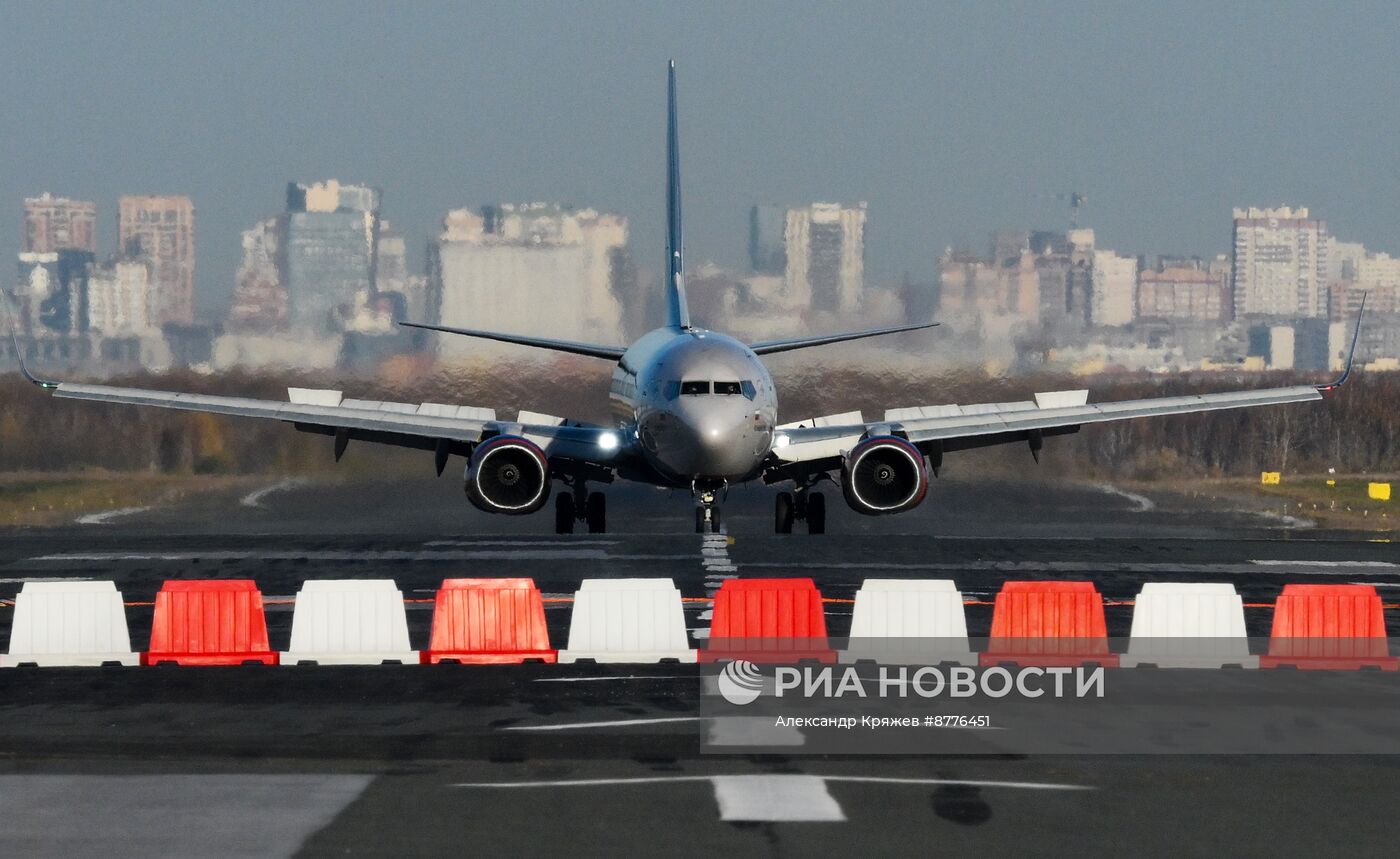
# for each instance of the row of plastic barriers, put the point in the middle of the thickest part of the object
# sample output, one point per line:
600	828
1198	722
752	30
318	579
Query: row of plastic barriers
359	622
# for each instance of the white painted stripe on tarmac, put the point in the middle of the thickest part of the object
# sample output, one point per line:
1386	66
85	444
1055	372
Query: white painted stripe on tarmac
775	799
256	497
108	515
616	723
543	554
1252	568
664	779
1144	504
543	541
1344	564
612	677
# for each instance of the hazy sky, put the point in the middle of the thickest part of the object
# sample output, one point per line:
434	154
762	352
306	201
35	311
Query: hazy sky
949	120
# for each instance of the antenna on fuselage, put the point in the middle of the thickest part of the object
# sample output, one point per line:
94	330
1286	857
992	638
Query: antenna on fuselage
677	313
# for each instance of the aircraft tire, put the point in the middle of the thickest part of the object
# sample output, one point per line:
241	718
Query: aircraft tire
563	513
816	513
782	513
596	511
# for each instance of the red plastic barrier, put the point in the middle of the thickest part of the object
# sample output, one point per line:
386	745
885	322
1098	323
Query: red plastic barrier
1329	627
211	622
768	621
489	621
1048	624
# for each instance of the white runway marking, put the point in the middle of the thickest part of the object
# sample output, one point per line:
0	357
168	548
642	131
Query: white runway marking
611	677
714	557
1347	564
776	799
1144	504
434	544
108	515
785	798
1297	568
255	498
170	815
855	779
542	554
618	723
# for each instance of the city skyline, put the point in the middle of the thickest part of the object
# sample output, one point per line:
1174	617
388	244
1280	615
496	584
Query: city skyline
952	122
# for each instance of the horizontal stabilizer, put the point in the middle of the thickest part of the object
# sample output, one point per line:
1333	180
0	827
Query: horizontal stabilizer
592	350
768	347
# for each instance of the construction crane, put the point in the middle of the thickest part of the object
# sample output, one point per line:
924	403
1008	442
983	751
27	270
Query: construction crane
1075	200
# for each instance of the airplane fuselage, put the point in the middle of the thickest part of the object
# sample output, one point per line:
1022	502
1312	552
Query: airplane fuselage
701	404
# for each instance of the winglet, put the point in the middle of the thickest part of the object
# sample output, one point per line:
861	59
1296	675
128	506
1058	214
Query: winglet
19	352
1351	354
678	314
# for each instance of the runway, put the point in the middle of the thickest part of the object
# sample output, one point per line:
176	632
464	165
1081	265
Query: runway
592	760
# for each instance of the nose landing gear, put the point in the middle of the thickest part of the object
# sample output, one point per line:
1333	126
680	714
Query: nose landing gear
707	501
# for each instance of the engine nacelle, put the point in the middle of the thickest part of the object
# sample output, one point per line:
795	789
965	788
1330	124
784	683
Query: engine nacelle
507	474
884	474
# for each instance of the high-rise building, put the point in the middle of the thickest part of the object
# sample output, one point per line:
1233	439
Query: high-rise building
767	250
160	230
1181	294
53	292
825	248
972	288
328	252
119	298
537	268
1280	263
1353	272
1113	294
57	223
259	298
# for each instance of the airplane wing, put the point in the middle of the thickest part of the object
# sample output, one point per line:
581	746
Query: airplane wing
439	427
809	447
818	445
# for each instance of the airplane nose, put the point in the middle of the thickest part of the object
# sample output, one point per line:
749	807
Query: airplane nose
709	442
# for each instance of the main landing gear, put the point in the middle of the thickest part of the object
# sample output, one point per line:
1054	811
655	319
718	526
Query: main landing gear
806	504
580	505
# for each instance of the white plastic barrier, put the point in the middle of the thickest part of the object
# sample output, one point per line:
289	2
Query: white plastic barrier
349	622
69	623
627	620
909	622
1188	625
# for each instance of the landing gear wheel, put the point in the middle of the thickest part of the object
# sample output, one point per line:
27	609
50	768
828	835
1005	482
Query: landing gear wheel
816	513
714	519
563	513
699	520
596	511
782	513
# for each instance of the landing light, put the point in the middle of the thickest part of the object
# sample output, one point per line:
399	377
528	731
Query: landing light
781	440
607	441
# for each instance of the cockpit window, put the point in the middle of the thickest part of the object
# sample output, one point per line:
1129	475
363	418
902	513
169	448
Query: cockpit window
727	388
672	390
692	388
749	390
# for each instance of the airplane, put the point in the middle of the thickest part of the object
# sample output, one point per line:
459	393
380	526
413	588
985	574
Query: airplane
693	409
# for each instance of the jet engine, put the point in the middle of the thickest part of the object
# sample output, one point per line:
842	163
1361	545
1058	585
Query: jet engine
507	474
883	475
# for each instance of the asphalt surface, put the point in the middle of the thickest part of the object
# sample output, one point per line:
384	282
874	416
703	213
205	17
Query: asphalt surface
602	760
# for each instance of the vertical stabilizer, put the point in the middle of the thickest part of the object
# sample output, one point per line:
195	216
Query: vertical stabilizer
677	314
